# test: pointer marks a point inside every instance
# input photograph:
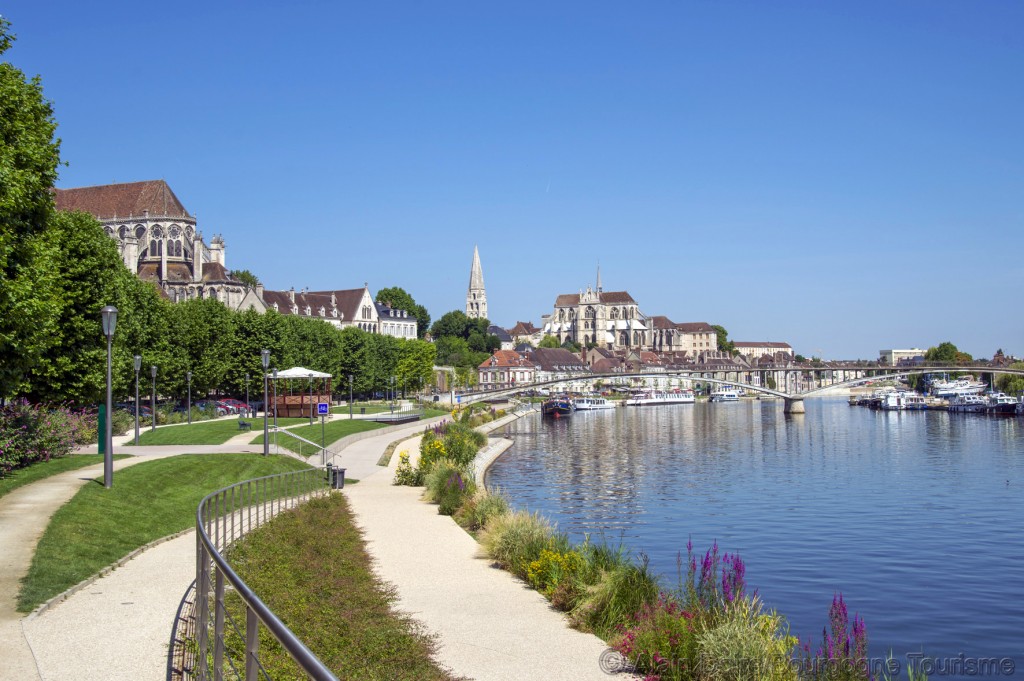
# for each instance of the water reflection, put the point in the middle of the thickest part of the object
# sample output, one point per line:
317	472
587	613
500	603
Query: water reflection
916	517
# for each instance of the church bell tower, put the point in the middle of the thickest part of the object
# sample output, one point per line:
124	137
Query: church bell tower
476	296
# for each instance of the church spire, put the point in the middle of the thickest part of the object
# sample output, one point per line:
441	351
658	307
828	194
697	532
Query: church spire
476	296
598	276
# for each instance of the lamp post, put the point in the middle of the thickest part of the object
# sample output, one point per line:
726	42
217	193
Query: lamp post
265	360
138	365
109	317
311	399
247	407
350	397
392	394
188	379
152	404
275	399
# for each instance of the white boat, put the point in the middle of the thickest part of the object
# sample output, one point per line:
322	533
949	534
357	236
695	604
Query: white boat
898	400
591	403
725	395
651	398
1001	403
960	386
968	403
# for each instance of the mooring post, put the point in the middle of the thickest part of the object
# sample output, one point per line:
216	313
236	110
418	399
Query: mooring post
794	405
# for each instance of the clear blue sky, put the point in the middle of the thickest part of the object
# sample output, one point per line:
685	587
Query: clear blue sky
844	176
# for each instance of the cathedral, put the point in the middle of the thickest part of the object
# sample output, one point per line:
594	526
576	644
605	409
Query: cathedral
159	242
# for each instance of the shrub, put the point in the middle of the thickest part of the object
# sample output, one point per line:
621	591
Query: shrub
844	648
516	539
30	433
747	644
449	485
620	592
405	474
477	510
552	569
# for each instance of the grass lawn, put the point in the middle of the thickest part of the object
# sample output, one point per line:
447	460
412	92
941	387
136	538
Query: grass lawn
44	469
202	432
148	501
333	431
370	407
321	585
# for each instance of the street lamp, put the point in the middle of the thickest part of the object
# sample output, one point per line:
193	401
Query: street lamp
109	317
350	397
275	399
138	365
311	399
152	404
188	379
265	360
247	407
392	394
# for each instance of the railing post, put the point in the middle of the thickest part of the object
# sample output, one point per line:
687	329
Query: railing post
218	628
252	644
203	612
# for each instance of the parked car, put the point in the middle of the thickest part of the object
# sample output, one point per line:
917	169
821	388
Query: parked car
214	406
239	406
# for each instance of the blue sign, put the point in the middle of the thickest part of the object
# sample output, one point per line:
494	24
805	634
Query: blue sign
322	409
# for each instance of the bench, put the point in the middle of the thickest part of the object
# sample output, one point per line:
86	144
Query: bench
244	425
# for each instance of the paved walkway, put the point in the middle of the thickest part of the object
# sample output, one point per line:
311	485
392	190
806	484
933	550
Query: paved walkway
489	624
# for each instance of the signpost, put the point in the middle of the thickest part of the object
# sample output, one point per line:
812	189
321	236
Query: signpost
322	410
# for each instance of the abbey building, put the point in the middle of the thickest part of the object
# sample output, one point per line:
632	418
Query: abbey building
158	240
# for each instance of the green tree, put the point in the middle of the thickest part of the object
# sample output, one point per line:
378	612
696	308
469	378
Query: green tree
29	156
724	343
454	323
549	342
246	277
416	364
72	360
201	334
398	298
571	345
946	353
1010	384
800	359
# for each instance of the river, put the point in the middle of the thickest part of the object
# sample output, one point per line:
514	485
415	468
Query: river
917	518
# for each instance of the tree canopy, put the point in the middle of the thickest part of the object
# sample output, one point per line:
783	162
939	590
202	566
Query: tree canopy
724	343
246	277
947	353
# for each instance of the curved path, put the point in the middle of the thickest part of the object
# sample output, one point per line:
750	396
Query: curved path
489	624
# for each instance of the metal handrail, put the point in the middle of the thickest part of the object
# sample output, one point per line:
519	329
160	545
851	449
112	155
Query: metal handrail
217	514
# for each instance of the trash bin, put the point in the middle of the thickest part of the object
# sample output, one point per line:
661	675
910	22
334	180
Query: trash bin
362	410
335	477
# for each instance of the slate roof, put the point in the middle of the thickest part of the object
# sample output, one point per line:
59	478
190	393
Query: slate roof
385	311
506	359
550	359
501	333
608	297
122	200
748	344
695	327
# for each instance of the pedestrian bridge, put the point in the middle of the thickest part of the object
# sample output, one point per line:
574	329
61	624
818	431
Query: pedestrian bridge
803	382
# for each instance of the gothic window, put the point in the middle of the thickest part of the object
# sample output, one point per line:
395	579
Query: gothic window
213	294
615	313
561	315
152	247
177	248
158	232
590	313
122	232
188	233
140	231
175	231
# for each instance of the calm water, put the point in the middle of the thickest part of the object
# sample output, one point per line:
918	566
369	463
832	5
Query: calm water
917	518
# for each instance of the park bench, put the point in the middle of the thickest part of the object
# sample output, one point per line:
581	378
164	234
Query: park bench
244	425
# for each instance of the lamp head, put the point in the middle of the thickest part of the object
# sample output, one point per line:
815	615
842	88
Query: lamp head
138	363
152	370
275	374
265	358
188	376
109	316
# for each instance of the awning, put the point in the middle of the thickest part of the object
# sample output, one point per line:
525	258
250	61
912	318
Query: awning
299	372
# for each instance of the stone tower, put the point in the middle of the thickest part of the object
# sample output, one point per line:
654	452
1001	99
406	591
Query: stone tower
476	297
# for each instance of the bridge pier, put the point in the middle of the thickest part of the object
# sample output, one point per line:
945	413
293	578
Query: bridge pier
794	405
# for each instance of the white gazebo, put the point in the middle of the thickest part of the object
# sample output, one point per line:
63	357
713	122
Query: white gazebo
302	390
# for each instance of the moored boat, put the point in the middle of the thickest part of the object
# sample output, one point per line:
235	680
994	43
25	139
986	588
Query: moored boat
592	403
557	407
898	400
725	395
972	404
960	386
1001	404
651	398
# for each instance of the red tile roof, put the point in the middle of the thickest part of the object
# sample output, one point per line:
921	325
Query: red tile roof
506	359
122	200
695	327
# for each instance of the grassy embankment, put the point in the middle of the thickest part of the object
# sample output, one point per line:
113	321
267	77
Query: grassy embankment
44	469
148	501
292	562
332	432
202	432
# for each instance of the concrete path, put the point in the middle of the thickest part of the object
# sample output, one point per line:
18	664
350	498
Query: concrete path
490	625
